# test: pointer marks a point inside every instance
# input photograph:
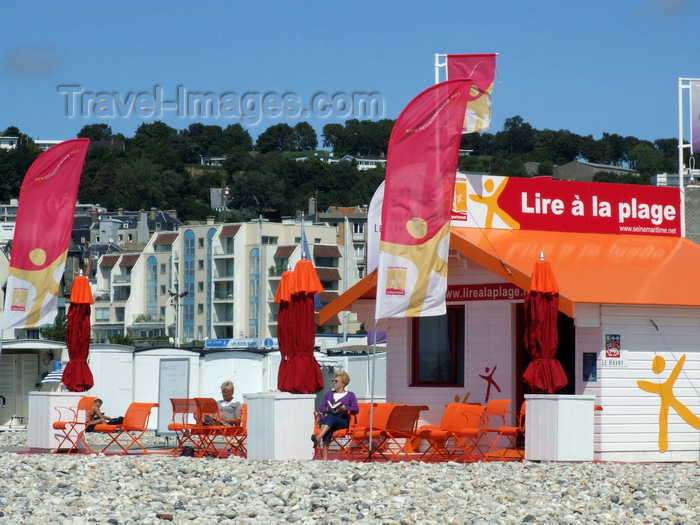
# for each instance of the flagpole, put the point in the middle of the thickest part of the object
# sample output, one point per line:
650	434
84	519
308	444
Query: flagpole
372	374
345	275
681	168
438	65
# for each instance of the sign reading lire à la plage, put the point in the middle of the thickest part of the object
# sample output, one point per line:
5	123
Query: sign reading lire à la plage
485	201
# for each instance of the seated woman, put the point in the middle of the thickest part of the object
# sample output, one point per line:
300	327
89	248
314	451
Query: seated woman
229	409
335	409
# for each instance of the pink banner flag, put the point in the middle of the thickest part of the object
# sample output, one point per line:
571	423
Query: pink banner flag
418	193
42	234
695	117
481	69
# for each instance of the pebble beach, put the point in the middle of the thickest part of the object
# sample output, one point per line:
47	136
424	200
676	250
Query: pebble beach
77	489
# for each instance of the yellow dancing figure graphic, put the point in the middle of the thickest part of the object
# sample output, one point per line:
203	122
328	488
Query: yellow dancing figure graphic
489	198
668	399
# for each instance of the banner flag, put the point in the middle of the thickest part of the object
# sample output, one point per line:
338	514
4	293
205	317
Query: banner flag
374	225
481	69
695	117
42	234
418	193
307	256
352	274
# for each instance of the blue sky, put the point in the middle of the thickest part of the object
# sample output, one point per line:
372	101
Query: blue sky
589	67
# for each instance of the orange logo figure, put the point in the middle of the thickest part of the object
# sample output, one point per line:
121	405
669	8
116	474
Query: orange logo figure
668	399
489	198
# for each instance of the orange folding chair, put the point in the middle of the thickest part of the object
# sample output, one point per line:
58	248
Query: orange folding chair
210	430
128	433
400	429
341	438
469	429
512	435
183	424
71	426
436	435
494	418
359	443
238	440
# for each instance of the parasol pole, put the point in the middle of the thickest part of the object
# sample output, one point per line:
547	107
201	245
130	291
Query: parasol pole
372	370
345	274
260	283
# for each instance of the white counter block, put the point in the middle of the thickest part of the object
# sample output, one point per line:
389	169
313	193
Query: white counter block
559	427
280	425
42	414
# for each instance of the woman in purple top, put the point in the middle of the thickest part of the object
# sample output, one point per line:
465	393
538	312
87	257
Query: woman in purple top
335	410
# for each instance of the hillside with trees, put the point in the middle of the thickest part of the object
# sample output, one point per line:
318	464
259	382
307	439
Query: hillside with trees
160	166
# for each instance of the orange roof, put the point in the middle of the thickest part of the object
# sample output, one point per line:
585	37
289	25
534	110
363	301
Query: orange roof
588	267
363	289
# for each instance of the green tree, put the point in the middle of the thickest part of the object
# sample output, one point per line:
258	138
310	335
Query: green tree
545	168
120	339
305	138
517	137
647	160
95	132
279	137
56	331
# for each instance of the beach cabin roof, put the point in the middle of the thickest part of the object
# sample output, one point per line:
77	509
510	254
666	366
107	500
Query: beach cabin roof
589	267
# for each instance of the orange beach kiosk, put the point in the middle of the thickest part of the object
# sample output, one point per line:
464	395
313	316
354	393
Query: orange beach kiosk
629	310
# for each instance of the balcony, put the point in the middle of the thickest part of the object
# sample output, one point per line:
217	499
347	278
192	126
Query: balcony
220	251
101	296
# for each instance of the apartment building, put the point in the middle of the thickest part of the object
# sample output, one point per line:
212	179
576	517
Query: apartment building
209	281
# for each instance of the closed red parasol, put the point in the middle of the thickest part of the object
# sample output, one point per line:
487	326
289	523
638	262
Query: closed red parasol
283	298
77	376
544	374
302	374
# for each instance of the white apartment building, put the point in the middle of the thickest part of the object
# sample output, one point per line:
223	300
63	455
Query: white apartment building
209	281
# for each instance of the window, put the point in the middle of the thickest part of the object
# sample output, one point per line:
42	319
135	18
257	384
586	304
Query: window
200	264
101	314
162	289
269	240
438	349
200	286
200	242
200	308
163	268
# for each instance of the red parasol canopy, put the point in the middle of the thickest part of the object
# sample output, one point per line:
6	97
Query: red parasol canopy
283	297
296	327
544	374
77	376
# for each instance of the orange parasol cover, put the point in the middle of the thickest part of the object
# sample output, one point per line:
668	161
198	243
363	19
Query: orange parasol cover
543	278
306	279
81	293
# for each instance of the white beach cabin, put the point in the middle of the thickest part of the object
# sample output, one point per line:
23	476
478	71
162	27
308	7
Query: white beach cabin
629	321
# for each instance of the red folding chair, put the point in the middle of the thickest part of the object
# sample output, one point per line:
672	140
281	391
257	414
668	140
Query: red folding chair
70	425
128	433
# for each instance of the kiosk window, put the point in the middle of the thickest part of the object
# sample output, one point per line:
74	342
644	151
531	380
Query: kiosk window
438	349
